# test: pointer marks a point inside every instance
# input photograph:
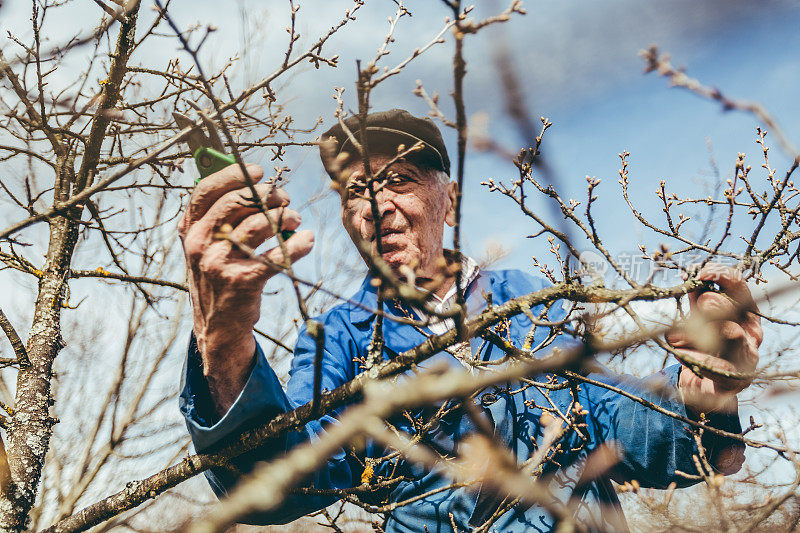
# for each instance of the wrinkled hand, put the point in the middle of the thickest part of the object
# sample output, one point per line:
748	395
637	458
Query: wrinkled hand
225	284
733	342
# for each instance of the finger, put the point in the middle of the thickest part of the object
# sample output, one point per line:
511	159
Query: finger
257	228
235	206
718	273
678	338
733	285
696	333
213	187
715	304
730	281
725	338
733	344
297	246
731	331
704	394
709	366
738	346
706	308
238	273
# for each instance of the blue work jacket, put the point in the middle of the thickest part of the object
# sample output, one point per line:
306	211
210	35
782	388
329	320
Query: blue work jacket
652	445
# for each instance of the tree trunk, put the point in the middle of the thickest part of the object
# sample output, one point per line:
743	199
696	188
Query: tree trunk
30	428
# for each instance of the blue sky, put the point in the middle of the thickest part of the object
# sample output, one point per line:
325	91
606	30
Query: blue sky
578	64
600	104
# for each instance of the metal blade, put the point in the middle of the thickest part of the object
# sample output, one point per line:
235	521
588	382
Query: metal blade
213	136
197	138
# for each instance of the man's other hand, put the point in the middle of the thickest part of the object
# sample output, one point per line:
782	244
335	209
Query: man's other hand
225	283
737	340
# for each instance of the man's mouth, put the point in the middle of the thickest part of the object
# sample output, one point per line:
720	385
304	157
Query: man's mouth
386	232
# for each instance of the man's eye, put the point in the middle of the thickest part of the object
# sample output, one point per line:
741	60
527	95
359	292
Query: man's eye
357	187
398	179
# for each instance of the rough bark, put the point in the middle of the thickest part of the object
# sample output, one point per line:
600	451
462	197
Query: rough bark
30	428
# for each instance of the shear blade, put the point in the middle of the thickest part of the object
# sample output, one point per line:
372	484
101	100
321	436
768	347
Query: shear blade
197	139
213	136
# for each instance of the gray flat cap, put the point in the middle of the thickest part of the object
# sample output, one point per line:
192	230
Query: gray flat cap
386	130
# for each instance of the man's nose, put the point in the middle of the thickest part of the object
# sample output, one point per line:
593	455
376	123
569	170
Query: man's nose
385	202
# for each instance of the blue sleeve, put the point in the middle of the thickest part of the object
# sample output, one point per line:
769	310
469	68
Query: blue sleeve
653	445
261	399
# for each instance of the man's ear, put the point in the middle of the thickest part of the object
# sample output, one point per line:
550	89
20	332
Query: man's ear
452	192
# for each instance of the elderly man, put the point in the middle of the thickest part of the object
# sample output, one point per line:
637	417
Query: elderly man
229	386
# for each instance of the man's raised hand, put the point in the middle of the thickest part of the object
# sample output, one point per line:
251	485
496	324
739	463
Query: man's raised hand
225	283
738	337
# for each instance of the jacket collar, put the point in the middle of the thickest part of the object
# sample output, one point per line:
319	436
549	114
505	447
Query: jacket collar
365	300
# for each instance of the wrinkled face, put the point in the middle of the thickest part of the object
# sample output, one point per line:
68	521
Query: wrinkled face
413	206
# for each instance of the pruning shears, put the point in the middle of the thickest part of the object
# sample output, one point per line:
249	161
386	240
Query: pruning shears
208	150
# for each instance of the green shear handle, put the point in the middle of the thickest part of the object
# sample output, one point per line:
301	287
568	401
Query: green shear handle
208	150
209	161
